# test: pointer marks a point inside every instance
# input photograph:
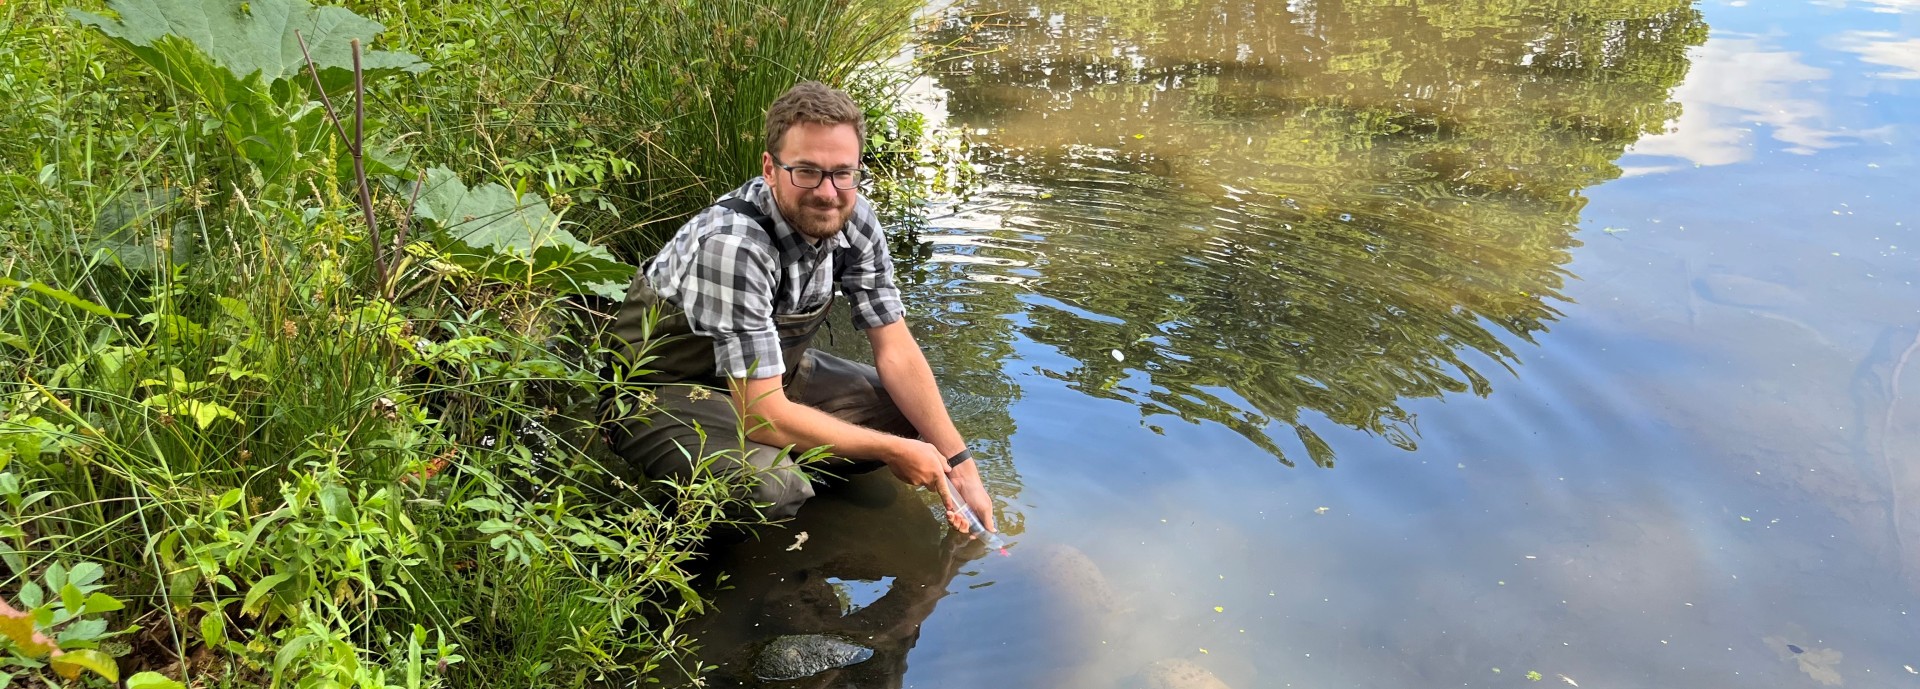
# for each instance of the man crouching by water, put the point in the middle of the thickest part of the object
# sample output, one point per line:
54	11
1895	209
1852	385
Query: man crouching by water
741	290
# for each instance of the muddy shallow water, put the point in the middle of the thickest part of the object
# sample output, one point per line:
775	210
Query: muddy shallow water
1373	344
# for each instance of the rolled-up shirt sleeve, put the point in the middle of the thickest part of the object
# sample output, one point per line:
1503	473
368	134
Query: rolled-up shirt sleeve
727	296
868	278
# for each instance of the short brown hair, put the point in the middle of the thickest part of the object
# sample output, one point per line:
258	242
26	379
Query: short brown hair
812	101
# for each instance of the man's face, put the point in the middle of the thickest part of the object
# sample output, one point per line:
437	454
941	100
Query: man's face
820	212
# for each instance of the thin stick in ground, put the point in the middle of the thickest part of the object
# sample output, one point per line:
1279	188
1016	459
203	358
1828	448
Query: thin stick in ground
354	145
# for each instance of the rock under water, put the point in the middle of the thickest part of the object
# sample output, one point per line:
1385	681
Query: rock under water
1174	673
1079	581
804	655
1739	290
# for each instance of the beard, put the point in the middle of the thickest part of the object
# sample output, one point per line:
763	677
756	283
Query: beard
813	218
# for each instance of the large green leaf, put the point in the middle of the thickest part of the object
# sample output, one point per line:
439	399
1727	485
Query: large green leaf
490	230
256	36
244	61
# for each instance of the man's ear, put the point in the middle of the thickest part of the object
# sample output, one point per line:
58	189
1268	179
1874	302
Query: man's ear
766	166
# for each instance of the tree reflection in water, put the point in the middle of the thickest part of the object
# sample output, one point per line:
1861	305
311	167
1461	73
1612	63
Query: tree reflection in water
1281	211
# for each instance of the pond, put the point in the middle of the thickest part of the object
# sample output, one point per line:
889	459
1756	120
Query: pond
1389	344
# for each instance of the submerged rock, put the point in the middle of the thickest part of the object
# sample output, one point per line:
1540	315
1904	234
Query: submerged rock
1080	582
1174	673
1739	290
804	655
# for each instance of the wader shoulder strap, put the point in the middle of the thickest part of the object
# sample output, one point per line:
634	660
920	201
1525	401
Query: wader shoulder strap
753	212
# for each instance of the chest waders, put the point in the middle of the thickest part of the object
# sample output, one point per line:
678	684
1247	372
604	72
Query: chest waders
679	355
692	417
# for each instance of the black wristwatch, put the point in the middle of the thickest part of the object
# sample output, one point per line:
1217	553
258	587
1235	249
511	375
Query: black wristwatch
963	455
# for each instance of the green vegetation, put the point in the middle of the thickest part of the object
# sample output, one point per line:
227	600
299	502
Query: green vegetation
637	114
299	360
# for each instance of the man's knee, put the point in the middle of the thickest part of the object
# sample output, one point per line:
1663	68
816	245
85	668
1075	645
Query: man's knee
779	492
852	392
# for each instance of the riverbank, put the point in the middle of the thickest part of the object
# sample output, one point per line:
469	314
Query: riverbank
290	380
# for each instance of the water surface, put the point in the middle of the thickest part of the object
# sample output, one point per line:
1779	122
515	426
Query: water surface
1387	344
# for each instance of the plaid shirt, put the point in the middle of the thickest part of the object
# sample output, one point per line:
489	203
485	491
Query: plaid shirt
731	278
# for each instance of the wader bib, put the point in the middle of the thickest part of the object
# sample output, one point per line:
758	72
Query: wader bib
693	416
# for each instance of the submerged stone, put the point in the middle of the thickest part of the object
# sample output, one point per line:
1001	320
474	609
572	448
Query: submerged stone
1069	572
804	655
1739	290
1174	673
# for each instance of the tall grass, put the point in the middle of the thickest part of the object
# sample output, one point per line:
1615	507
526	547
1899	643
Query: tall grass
293	481
645	112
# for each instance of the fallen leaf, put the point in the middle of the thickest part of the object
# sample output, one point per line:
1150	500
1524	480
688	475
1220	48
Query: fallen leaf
1568	680
1219	609
1320	510
1203	651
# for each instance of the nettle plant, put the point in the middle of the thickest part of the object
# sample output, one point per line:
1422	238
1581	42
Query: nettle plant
267	76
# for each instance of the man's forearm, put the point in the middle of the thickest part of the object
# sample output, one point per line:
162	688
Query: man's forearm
781	422
909	381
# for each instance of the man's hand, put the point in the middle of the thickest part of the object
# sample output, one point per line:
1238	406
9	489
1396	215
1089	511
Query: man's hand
966	479
917	463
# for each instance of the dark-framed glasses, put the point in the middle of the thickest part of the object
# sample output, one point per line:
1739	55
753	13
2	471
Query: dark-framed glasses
811	177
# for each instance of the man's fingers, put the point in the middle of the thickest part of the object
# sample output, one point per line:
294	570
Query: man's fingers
983	507
952	502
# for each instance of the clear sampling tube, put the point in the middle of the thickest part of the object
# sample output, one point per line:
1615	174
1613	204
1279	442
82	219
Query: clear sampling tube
974	525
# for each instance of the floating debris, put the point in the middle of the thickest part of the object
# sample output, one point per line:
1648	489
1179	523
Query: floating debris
1568	680
799	539
1117	356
